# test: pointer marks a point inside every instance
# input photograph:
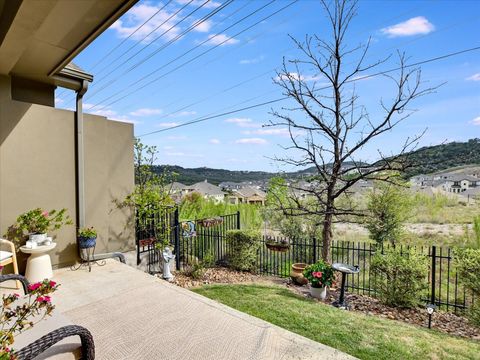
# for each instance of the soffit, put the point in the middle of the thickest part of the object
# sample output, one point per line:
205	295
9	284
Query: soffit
45	35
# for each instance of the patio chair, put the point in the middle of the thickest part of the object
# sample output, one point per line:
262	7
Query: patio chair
52	334
9	257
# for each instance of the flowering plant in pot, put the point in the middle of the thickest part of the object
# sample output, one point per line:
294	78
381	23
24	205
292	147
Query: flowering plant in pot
37	222
22	313
87	237
320	276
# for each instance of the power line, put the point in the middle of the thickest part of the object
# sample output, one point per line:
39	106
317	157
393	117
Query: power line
185	63
437	58
130	35
170	42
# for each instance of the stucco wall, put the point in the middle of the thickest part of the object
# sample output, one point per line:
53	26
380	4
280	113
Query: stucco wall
37	169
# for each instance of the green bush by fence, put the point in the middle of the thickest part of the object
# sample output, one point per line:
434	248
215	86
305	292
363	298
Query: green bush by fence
243	249
400	278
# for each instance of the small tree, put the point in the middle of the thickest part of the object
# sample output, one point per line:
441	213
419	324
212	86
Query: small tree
389	207
329	128
152	190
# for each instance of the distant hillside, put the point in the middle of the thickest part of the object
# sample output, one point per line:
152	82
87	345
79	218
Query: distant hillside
432	159
427	160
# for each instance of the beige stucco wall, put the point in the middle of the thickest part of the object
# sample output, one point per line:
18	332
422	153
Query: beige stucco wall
37	169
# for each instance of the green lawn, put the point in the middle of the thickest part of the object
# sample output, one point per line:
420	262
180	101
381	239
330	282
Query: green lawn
366	337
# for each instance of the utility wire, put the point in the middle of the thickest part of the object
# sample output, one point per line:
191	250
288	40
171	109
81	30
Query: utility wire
176	38
130	35
437	58
185	63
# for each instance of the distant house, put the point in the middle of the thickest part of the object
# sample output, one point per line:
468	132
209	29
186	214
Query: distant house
176	187
230	185
207	190
460	183
247	195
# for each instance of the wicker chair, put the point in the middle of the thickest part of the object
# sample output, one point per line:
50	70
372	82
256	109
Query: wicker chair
9	257
46	341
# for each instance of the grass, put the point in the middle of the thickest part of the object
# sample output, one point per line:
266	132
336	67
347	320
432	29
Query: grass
366	337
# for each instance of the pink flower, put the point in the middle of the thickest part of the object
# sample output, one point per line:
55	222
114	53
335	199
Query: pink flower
1	267
33	287
40	299
317	274
47	298
52	283
16	295
45	213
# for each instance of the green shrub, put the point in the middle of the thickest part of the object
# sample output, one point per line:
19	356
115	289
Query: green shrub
400	279
244	245
468	264
389	206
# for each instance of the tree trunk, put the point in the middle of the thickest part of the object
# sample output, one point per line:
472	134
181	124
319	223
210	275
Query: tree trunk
327	236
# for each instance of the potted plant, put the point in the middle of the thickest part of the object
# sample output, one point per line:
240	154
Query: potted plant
320	276
87	237
280	245
37	222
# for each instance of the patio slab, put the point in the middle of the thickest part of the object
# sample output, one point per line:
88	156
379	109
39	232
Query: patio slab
133	315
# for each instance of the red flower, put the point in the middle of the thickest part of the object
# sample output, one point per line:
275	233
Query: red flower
16	295
33	287
40	299
52	283
47	299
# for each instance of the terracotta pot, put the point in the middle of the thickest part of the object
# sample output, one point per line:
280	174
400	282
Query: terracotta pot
297	273
318	293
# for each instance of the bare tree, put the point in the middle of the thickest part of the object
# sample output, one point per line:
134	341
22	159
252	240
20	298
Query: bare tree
329	128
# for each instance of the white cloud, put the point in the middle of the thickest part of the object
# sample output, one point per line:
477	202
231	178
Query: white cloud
214	141
243	122
474	77
108	113
203	27
296	77
138	15
59	101
221	39
255	141
146	112
252	61
182	113
413	26
476	121
167	124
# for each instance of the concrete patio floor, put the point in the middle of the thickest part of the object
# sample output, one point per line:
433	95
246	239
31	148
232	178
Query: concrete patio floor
133	315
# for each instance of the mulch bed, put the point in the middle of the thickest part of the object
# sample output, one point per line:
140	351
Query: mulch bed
219	275
447	322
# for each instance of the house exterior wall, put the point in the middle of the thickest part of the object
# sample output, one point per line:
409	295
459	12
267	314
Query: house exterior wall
37	169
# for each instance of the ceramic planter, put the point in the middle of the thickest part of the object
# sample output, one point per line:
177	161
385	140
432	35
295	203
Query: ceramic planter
297	273
37	238
318	293
86	242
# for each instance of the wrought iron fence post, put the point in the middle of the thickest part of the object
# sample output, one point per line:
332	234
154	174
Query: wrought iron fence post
238	220
434	267
176	229
314	249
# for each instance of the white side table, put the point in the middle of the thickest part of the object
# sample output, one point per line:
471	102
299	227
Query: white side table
39	265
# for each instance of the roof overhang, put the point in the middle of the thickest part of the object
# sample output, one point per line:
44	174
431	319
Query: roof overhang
39	39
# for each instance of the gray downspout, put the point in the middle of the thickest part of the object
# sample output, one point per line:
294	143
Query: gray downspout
80	173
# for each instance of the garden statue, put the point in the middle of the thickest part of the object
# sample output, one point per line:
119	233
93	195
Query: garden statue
168	257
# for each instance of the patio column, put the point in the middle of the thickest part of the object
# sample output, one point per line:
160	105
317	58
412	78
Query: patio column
80	156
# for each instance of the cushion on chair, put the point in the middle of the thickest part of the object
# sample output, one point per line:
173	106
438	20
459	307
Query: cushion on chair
4	255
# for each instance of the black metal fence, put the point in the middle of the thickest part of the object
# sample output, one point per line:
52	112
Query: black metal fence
197	240
444	288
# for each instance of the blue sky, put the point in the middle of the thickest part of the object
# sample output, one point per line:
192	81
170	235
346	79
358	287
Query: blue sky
239	72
